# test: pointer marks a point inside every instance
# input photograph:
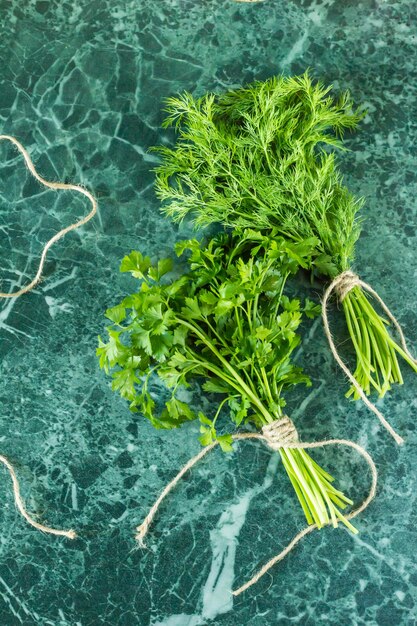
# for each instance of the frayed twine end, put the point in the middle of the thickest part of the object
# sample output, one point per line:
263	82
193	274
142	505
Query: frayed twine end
140	535
71	534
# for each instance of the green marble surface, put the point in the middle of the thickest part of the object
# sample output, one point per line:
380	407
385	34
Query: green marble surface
82	83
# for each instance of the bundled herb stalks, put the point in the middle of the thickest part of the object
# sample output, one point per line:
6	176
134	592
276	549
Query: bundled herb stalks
261	157
227	324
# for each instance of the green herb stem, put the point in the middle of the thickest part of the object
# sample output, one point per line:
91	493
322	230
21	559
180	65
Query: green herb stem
239	380
376	351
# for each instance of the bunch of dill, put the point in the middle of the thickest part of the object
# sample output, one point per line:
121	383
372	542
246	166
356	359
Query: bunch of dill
262	157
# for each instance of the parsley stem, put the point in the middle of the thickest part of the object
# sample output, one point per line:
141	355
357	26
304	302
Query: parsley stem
308	492
266	384
219	408
238	322
255	400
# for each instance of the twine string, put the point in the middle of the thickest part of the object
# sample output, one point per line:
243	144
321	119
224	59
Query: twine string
142	530
279	434
342	284
51	185
70	534
311	527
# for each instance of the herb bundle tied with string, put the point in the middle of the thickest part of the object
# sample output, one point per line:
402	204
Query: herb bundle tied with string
262	157
228	326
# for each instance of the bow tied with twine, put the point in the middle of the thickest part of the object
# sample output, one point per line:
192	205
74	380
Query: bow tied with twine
342	285
278	434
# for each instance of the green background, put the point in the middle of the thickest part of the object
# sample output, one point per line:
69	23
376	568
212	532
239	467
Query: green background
82	86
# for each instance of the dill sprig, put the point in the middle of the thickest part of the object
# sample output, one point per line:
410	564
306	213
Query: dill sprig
255	157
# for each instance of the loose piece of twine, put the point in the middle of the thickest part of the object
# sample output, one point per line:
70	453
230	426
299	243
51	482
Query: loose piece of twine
279	434
62	232
342	284
70	534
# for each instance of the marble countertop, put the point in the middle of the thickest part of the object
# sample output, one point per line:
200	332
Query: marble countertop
82	86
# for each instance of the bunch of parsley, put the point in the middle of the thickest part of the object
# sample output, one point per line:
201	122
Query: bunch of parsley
261	157
227	325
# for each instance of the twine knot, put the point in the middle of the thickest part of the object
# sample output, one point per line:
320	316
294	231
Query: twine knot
344	283
280	433
277	435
